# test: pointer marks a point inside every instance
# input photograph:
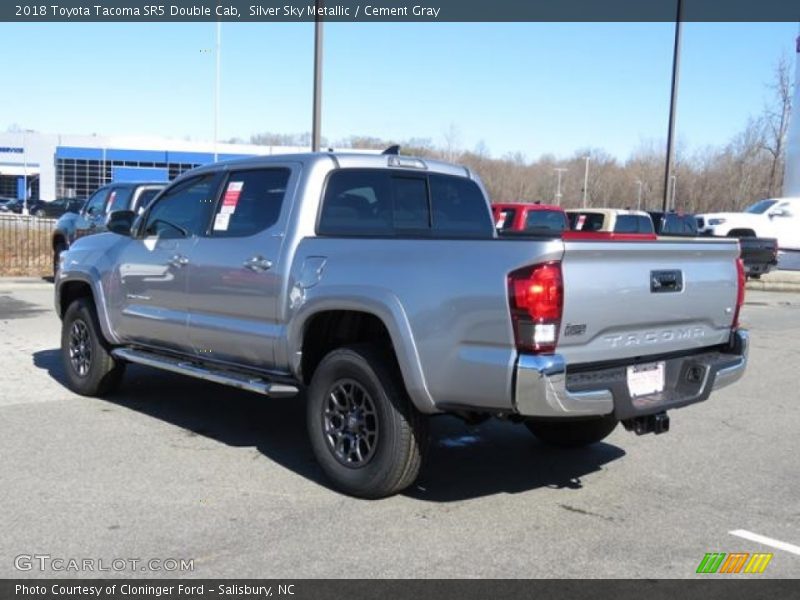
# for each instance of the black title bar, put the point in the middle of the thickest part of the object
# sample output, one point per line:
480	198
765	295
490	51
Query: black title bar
277	11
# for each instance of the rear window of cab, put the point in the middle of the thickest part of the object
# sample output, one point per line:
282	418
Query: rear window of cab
388	203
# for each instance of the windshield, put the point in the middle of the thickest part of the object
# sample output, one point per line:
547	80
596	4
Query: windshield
760	207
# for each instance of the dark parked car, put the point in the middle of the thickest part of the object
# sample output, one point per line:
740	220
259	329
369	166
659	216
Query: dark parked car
58	207
759	255
11	205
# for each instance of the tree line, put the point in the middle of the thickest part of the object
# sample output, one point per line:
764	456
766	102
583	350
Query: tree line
715	178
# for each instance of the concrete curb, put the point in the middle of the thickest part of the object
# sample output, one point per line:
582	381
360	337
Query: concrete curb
773	286
24	283
776	281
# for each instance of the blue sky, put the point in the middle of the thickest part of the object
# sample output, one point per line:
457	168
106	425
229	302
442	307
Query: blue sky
529	87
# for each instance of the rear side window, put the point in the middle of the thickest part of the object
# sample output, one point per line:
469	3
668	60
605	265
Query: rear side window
373	202
586	221
633	224
689	225
251	202
545	220
357	202
459	208
504	218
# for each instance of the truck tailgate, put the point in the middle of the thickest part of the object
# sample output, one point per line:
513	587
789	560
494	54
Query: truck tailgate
624	300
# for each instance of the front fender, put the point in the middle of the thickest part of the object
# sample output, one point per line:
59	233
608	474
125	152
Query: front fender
74	272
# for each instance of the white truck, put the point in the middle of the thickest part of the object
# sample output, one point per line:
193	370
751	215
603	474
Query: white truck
777	218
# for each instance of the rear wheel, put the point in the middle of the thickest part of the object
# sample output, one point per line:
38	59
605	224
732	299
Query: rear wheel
572	433
365	432
89	366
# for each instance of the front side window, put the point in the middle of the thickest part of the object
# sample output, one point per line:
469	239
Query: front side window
119	199
760	207
251	202
95	204
184	209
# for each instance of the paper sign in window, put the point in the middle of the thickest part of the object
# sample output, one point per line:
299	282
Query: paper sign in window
231	198
221	221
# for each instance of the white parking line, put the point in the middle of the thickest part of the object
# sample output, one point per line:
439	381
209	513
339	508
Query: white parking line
761	539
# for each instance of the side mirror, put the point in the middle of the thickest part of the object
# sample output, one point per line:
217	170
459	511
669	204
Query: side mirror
778	212
120	221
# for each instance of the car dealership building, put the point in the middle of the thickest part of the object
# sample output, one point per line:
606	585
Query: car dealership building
56	166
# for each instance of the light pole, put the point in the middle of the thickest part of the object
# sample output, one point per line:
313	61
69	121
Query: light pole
25	133
216	88
317	102
24	172
559	171
639	202
676	55
673	187
585	180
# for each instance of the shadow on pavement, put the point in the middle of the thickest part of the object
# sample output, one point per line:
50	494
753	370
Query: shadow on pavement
463	462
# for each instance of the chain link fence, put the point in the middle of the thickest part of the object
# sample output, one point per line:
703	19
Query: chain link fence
26	248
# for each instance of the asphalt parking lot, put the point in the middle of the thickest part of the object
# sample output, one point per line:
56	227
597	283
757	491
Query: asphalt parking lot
176	468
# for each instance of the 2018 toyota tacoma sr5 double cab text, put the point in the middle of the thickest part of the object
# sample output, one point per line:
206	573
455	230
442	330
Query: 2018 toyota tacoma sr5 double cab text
374	288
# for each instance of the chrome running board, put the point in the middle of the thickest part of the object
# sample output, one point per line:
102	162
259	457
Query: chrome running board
251	383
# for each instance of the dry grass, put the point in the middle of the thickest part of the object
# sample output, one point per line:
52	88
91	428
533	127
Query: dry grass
25	247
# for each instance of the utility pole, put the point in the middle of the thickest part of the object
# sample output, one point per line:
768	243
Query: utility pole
676	55
559	171
317	109
216	88
24	172
585	180
639	202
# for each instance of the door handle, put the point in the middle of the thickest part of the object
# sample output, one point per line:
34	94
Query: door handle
257	263
179	260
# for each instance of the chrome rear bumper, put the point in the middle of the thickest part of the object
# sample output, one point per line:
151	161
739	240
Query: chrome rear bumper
544	388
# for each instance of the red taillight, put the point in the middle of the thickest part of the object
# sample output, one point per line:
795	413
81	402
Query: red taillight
741	281
536	299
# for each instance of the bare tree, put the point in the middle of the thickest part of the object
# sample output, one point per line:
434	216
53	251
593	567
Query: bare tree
776	122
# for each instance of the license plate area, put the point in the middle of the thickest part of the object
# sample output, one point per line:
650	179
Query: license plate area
646	379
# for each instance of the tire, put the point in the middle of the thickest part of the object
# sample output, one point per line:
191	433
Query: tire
90	369
366	433
572	433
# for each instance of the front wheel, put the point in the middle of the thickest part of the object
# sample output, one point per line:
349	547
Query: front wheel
89	366
365	432
572	433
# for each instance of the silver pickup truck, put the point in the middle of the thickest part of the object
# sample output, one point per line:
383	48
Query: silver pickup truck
374	288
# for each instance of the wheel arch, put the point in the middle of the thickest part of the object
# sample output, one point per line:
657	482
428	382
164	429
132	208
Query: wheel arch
322	326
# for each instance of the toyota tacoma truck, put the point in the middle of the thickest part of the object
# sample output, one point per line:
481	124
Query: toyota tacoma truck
374	289
777	218
91	218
